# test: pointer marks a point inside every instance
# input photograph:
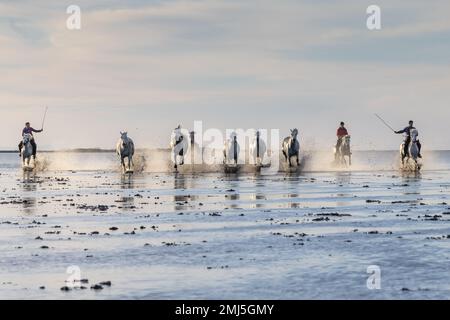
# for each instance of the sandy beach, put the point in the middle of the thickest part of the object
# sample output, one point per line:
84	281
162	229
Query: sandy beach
157	235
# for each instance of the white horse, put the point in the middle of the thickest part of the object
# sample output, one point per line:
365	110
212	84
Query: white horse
179	144
343	151
27	149
125	149
291	147
231	150
258	149
413	151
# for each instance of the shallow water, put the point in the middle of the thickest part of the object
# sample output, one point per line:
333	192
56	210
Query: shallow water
216	236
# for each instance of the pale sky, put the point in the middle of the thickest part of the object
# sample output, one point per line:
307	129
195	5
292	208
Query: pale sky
146	66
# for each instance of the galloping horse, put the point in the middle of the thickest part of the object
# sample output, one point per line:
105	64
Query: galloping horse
27	150
125	149
179	144
291	147
413	151
342	151
258	149
231	150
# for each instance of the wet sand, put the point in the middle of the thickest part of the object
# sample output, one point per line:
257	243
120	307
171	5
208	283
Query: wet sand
216	236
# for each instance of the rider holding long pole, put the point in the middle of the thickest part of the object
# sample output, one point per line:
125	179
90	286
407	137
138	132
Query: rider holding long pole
407	131
29	130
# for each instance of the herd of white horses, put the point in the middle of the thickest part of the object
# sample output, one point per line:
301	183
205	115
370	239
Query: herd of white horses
180	143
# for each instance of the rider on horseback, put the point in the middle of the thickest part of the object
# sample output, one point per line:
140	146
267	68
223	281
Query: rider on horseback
29	130
407	132
341	133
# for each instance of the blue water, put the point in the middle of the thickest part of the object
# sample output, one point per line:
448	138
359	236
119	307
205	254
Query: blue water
212	236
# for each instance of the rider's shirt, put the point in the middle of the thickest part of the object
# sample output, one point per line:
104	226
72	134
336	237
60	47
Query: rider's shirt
341	132
29	130
407	131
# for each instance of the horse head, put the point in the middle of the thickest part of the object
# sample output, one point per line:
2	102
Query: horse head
347	139
124	137
294	133
233	136
26	138
414	133
178	136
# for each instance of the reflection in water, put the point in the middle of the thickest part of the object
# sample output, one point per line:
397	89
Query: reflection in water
293	182
234	197
412	182
29	185
343	179
411	176
127	183
232	186
179	184
259	185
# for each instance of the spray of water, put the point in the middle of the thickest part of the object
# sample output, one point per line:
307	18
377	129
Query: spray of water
159	160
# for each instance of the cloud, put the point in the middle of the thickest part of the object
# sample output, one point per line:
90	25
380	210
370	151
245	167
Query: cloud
231	63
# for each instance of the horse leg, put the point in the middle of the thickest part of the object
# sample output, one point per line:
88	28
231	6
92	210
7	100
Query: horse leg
405	160
298	158
349	159
175	160
418	165
122	163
